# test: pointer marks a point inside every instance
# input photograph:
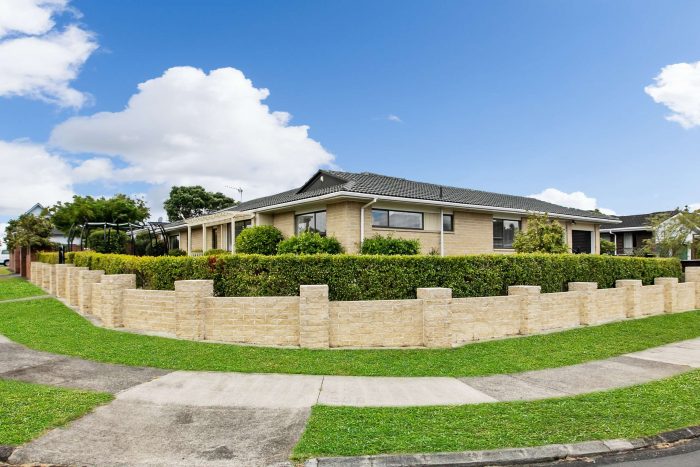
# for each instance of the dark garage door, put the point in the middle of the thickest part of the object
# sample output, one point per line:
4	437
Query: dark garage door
581	241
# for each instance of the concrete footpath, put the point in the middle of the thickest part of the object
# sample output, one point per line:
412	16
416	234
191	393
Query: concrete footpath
208	418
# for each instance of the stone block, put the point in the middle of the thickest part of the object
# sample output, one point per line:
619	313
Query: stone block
670	285
314	318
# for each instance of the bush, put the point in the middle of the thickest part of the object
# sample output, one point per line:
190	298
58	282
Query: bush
354	277
49	257
260	240
177	252
216	251
389	245
542	235
107	241
308	243
607	247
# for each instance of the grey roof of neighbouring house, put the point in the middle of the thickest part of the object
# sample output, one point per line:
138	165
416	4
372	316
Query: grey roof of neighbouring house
638	221
381	185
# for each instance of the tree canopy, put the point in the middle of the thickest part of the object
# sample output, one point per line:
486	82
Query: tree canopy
118	209
543	235
674	233
190	201
28	231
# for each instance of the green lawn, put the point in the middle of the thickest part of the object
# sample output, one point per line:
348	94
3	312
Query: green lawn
18	288
50	326
632	412
27	410
4	271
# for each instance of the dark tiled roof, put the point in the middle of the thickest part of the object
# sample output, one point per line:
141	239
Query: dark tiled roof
637	220
381	185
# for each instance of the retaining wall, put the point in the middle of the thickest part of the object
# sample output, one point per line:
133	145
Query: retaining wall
310	320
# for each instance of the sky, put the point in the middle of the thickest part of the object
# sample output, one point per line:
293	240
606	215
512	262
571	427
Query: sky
590	104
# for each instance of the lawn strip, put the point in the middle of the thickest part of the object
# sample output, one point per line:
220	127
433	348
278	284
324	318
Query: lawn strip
18	288
632	412
27	410
50	326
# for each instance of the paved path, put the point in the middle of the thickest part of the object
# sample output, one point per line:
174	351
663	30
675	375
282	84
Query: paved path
210	418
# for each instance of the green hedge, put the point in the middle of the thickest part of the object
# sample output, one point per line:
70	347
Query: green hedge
358	277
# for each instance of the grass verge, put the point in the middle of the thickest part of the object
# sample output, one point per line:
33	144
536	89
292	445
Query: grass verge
18	288
27	410
4	271
632	412
50	326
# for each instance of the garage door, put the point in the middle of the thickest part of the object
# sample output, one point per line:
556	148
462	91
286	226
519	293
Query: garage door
581	241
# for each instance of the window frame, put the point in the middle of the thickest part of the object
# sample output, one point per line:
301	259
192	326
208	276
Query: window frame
388	219
314	214
493	235
452	222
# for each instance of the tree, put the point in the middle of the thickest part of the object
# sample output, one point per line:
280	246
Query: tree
118	209
190	201
28	231
674	233
543	235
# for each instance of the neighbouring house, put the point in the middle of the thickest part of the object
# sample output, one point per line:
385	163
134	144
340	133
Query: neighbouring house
354	206
56	235
630	234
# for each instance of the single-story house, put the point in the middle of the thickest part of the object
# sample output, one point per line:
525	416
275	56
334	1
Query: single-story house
354	206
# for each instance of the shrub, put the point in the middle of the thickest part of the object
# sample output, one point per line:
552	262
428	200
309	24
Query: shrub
542	235
389	245
355	277
607	247
107	241
308	243
261	240
177	252
215	251
49	257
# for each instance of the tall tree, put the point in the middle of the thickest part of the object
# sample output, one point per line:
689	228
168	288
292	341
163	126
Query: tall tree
675	233
118	209
28	231
190	201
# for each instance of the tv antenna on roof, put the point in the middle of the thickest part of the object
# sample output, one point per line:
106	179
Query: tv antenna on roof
238	189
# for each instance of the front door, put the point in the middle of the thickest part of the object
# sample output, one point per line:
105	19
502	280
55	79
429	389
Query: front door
581	241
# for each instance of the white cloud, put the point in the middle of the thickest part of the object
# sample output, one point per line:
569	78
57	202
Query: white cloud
189	127
31	175
98	168
694	207
394	118
576	199
41	61
678	88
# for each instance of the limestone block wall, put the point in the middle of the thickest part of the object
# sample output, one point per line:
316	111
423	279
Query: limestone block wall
252	320
376	323
434	319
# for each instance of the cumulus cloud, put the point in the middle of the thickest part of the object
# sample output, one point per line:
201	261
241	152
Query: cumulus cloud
576	199
189	127
31	175
37	60
678	88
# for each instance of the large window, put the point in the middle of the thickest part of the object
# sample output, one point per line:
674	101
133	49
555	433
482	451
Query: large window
397	219
240	225
311	222
174	242
448	223
504	231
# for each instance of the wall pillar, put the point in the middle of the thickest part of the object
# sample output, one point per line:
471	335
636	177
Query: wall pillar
633	297
86	279
586	302
52	279
692	274
437	316
73	284
59	283
113	286
530	294
46	277
189	307
35	276
314	318
670	293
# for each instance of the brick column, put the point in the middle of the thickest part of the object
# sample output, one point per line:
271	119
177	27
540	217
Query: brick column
692	274
633	297
52	279
530	295
73	285
35	275
113	287
45	277
86	279
437	316
314	319
670	293
59	280
189	307
586	302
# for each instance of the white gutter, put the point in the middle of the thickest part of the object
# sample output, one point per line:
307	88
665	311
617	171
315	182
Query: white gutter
362	220
473	207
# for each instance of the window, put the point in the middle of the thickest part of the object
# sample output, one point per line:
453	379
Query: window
240	225
214	238
448	223
174	242
311	222
397	219
504	231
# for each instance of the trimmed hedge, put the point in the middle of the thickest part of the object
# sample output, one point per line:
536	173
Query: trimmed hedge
309	243
358	277
379	245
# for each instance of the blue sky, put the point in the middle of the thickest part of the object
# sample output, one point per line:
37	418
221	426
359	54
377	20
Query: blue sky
505	96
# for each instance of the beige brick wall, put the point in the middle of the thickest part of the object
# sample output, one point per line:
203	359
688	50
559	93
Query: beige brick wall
608	305
480	318
196	239
149	310
473	234
378	323
652	300
686	296
253	320
284	221
343	223
555	311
